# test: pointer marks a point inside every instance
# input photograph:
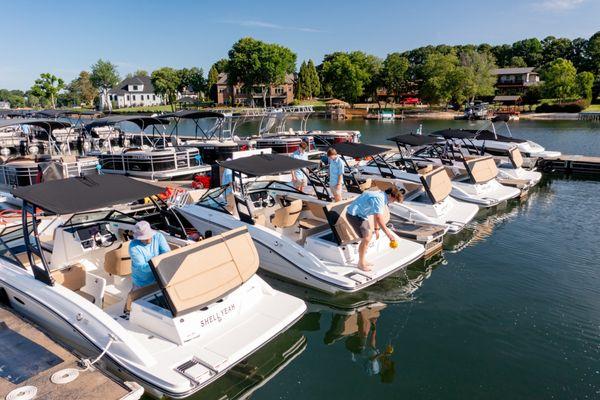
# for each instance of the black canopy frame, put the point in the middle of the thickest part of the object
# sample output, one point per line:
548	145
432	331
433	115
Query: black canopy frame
142	122
215	132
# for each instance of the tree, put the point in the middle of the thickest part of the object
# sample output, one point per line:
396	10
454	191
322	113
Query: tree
104	77
166	81
256	63
313	79
302	84
559	80
81	90
394	74
554	48
584	81
213	76
221	65
343	78
47	87
192	79
16	98
504	55
517	62
530	50
478	68
437	87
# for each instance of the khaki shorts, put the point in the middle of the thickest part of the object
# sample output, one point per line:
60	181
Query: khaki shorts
362	227
336	191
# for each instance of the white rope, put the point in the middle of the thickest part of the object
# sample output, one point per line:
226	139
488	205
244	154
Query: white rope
68	375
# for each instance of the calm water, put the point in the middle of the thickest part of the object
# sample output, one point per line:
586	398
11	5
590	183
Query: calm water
510	310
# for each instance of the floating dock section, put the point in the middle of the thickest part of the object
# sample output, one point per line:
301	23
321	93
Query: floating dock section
31	363
570	165
590	116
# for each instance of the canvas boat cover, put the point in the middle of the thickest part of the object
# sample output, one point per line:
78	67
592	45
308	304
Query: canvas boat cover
40	122
193	114
412	139
266	164
142	121
358	150
456	133
489	135
72	195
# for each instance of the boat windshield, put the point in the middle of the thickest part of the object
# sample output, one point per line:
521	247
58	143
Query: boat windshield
99	215
215	198
12	243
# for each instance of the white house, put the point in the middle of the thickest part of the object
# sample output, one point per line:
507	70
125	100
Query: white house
136	91
4	105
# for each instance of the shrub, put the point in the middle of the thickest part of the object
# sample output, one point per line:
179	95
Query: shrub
572	107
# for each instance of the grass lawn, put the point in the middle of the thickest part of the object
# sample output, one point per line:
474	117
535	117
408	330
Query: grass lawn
593	108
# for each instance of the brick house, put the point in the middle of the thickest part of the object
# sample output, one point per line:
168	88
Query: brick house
278	95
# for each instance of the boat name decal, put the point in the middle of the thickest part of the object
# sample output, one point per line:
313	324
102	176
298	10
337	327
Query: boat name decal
217	317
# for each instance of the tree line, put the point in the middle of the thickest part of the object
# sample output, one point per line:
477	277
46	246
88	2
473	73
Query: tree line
440	74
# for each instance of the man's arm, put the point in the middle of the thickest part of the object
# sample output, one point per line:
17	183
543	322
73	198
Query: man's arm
163	246
380	221
138	262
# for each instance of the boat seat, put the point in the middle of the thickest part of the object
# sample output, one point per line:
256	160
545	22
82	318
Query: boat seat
202	272
287	216
426	169
118	262
481	169
310	223
71	277
343	230
316	210
516	158
437	184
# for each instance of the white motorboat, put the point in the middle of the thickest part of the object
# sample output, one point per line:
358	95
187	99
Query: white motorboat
299	237
142	155
427	201
68	270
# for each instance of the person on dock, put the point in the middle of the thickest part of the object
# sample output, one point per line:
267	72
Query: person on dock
146	244
368	213
298	177
336	174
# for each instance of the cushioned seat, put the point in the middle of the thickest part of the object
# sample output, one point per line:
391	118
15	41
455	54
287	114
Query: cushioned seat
202	272
437	184
288	215
118	262
342	229
481	169
516	158
71	277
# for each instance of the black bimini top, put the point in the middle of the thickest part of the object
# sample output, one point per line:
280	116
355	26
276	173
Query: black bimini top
358	150
412	139
73	195
64	113
193	114
42	123
266	164
142	121
489	135
456	133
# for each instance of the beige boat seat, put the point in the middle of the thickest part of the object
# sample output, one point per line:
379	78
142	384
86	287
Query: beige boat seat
437	184
316	210
366	185
73	278
118	262
288	215
197	274
425	170
481	169
336	215
516	158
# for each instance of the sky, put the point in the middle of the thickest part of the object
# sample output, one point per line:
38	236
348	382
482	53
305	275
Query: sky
65	37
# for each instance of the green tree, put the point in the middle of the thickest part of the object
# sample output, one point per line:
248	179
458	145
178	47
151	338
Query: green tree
504	55
584	82
478	68
394	74
554	48
302	83
257	64
221	65
342	78
166	82
436	71
213	76
559	80
193	79
16	98
517	62
80	90
530	50
314	82
47	87
104	77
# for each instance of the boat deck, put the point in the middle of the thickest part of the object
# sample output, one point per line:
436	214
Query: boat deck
29	358
571	164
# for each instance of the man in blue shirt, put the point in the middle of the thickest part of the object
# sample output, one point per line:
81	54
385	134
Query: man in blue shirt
336	174
146	244
298	177
367	213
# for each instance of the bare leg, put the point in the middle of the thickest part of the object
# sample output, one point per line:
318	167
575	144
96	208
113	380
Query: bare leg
362	251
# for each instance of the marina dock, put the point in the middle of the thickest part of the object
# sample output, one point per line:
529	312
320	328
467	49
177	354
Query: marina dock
570	164
30	361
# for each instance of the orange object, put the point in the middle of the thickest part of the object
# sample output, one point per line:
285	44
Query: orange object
393	244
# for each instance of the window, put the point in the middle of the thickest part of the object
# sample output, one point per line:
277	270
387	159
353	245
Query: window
147	97
153	97
127	97
135	87
133	97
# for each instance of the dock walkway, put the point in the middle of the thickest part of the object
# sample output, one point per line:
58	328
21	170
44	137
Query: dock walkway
29	358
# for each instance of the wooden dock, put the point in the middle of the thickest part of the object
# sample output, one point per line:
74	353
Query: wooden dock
570	164
29	358
589	116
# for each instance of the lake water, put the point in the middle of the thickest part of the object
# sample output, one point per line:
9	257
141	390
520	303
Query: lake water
510	310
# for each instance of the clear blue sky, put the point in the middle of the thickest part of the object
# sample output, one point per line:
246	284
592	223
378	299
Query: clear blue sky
65	37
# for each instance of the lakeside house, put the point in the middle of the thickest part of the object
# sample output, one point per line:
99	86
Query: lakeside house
137	91
240	95
515	81
4	105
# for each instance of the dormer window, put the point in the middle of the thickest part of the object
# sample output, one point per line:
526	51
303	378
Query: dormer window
135	88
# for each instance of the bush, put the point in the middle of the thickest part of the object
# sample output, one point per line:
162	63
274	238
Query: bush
572	107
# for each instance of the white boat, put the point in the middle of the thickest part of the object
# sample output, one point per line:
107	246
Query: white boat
473	180
67	269
299	237
143	155
427	201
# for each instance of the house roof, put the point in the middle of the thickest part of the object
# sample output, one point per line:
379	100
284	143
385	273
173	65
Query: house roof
507	99
512	71
222	78
121	88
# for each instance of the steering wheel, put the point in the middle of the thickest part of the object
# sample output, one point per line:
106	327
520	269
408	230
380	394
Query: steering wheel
99	242
269	201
